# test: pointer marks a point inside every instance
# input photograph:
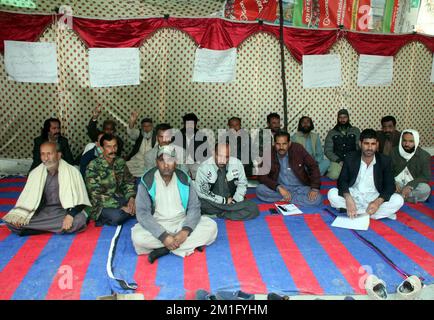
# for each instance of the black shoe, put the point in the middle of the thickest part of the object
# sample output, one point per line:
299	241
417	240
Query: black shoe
275	296
342	210
30	232
157	253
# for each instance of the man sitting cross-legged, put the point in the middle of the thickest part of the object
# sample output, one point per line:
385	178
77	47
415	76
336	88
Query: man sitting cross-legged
53	197
168	212
366	184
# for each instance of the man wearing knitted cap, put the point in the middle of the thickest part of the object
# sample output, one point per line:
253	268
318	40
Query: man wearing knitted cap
168	212
411	168
340	141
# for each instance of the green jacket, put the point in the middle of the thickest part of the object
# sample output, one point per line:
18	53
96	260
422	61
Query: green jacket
108	185
418	165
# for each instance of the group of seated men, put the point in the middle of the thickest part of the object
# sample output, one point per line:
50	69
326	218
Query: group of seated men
171	197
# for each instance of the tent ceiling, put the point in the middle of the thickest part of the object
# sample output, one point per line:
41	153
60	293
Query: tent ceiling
127	8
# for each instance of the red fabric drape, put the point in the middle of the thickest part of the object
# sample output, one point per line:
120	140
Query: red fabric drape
210	33
385	44
22	27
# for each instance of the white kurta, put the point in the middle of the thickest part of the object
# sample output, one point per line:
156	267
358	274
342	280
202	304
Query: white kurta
170	214
363	192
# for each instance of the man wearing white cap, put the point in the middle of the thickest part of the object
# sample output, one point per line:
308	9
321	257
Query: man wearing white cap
168	212
411	168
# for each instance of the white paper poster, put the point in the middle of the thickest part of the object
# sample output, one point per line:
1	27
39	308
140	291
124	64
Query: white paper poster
432	69
215	65
34	62
322	71
111	67
375	70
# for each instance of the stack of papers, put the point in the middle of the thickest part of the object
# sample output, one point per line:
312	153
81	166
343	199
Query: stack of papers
288	209
361	222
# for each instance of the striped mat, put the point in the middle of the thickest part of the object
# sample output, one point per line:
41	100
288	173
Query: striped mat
288	255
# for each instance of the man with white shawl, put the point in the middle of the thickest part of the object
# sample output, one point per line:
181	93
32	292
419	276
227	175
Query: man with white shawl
411	168
53	198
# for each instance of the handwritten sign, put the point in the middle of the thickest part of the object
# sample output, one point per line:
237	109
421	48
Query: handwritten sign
111	67
215	65
34	62
375	70
322	71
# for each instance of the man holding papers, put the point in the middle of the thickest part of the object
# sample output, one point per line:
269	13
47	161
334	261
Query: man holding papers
366	183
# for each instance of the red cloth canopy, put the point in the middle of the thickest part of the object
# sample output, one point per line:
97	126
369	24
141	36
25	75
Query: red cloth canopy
210	33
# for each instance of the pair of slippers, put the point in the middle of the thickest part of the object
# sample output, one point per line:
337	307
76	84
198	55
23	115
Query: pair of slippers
409	289
224	295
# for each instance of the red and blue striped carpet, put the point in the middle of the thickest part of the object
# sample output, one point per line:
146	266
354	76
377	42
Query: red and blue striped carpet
288	255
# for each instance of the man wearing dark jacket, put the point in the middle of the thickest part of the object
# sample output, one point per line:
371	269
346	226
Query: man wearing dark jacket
366	184
51	132
340	141
411	168
388	136
294	175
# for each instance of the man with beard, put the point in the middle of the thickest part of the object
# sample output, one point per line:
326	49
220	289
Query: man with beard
51	133
53	198
340	141
411	168
366	184
311	142
110	185
221	185
294	175
168	212
388	136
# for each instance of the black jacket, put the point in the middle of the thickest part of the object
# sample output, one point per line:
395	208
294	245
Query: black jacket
383	177
64	148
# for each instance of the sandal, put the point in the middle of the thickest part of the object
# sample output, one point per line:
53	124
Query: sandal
376	288
410	288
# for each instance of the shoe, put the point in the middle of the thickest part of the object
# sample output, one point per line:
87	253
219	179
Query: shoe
376	288
410	288
157	253
30	232
342	210
234	295
275	296
204	295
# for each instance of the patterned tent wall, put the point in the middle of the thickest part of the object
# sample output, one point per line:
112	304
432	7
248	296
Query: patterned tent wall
166	92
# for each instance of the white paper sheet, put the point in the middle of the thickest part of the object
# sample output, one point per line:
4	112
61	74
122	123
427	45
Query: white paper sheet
288	209
322	71
112	67
432	69
34	62
375	70
361	222
215	65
